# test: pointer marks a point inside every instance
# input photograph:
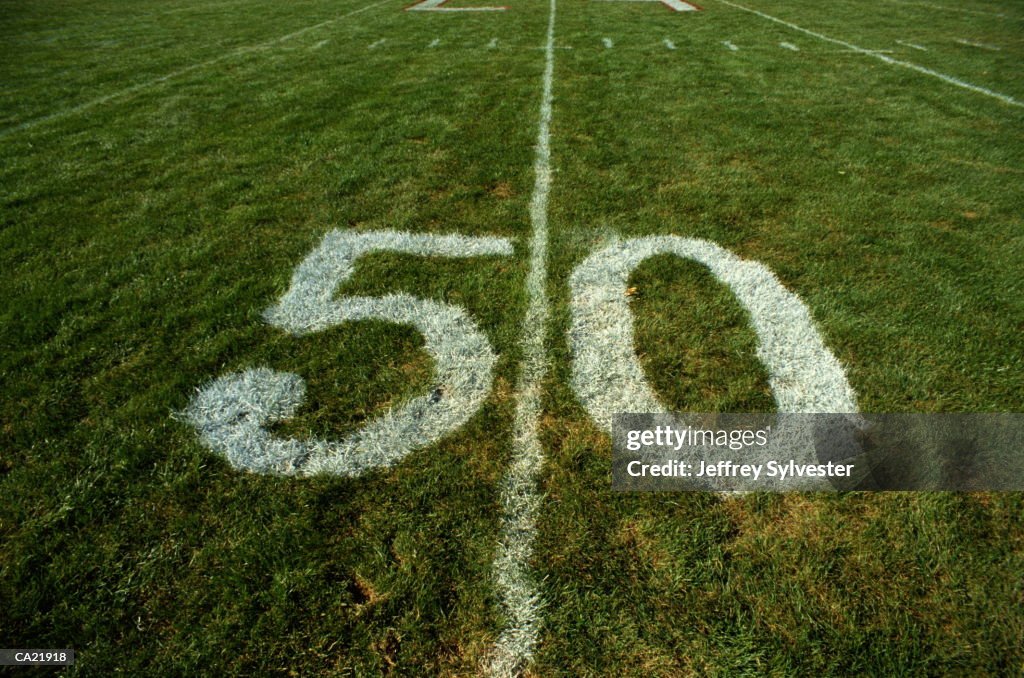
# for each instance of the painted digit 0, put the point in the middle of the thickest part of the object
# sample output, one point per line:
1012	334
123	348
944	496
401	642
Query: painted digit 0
607	376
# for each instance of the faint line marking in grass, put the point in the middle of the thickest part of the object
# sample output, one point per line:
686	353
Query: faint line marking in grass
790	46
80	108
889	60
942	8
375	45
912	46
320	44
981	45
520	499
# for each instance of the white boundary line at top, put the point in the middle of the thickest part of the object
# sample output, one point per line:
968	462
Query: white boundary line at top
35	122
946	8
520	499
889	60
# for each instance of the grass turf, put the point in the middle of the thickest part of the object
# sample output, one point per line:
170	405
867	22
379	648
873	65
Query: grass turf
143	235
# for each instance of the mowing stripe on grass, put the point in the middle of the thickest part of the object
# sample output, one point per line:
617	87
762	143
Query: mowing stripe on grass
889	60
520	499
81	108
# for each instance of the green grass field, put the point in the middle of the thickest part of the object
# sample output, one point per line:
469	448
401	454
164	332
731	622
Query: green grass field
166	166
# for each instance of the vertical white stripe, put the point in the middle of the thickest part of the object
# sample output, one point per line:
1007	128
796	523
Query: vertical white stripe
520	499
889	60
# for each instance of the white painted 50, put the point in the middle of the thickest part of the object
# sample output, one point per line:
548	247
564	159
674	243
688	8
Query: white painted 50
231	412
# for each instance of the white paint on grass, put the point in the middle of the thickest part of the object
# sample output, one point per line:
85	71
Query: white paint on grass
731	46
676	5
437	6
882	57
669	44
608	44
947	8
320	44
375	45
790	46
520	498
912	46
680	6
133	89
981	45
232	413
607	375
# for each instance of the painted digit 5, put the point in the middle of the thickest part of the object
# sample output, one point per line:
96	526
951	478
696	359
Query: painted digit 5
231	413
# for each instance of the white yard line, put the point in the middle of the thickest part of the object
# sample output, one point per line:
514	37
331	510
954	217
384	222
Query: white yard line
946	8
80	108
889	60
982	45
520	498
912	46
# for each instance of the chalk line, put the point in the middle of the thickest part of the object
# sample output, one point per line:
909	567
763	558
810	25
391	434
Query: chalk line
520	499
889	60
912	46
80	108
946	8
970	43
